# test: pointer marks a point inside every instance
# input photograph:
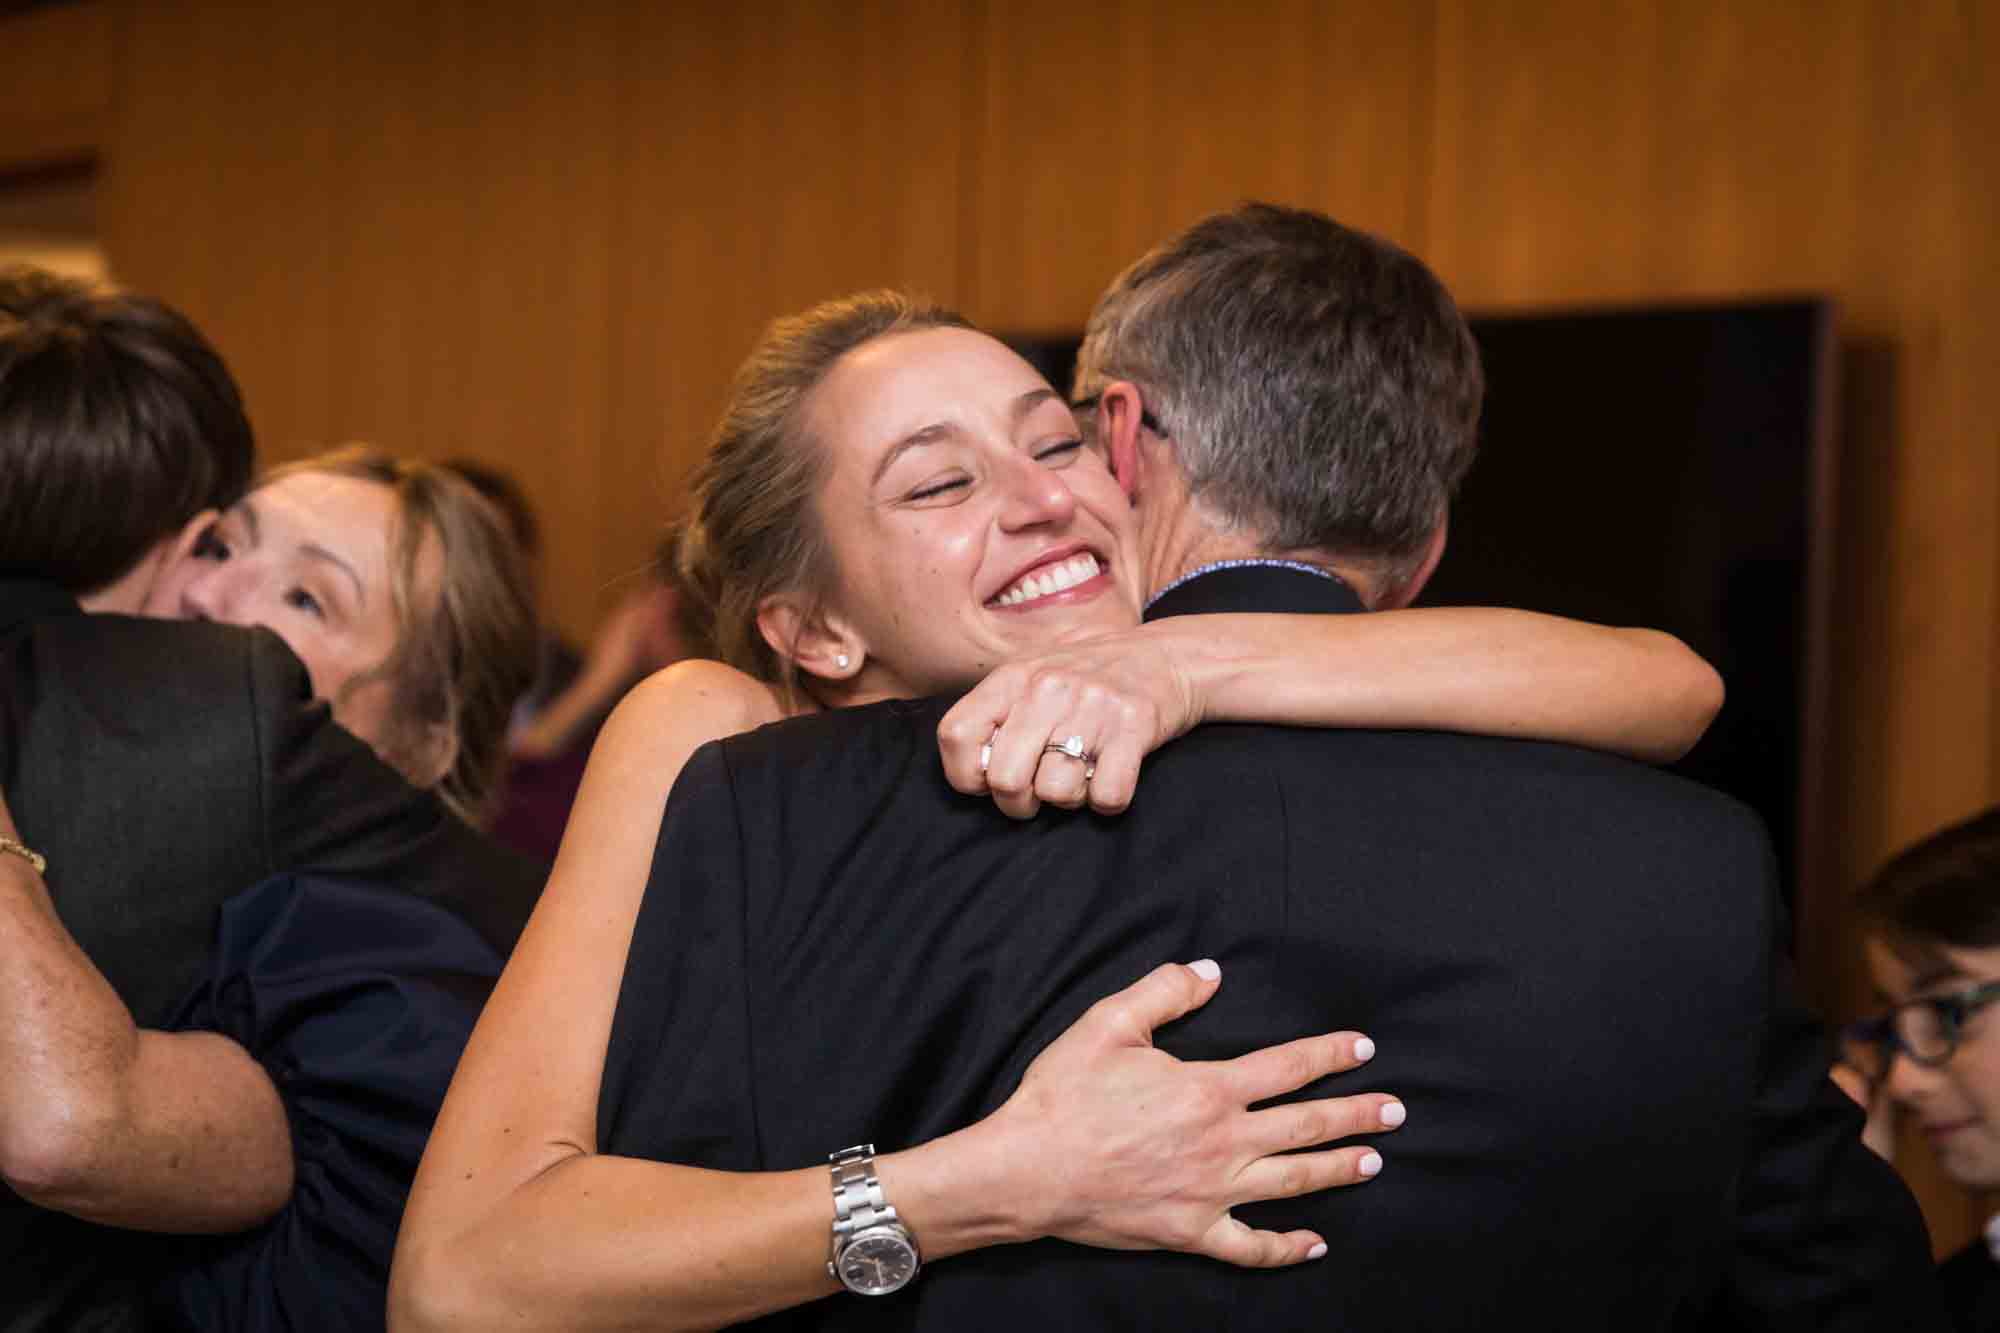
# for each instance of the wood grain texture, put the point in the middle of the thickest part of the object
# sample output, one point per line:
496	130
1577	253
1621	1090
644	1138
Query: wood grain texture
60	87
1103	128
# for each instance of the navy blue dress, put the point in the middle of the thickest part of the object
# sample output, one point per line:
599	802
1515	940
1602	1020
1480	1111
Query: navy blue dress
358	1002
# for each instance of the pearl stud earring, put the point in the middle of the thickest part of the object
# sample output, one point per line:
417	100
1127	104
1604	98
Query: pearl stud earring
841	661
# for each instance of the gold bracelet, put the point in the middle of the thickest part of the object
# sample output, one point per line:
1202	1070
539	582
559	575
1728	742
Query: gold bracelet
25	852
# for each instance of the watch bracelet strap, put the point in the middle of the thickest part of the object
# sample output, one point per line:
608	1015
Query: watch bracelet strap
857	1194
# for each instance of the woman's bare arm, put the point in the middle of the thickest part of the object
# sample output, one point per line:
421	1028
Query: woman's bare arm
156	1131
1485	671
517	1220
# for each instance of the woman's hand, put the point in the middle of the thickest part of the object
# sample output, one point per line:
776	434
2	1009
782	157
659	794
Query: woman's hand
1124	695
1480	670
1129	1148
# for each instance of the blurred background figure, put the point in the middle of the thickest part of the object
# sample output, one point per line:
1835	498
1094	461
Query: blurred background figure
556	659
556	718
1932	1056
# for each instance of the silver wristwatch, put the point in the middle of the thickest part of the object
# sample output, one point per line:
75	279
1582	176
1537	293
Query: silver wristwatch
873	1252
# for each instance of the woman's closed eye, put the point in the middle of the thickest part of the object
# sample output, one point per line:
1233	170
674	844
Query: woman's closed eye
942	486
1059	453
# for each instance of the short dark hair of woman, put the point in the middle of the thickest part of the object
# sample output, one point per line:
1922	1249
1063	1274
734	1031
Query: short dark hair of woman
118	423
1941	893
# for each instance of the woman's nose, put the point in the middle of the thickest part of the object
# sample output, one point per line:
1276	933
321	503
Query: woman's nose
1036	495
1905	1080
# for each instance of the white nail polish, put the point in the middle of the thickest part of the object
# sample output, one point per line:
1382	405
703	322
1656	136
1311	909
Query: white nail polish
1364	1049
1317	1252
1371	1163
1394	1113
1207	969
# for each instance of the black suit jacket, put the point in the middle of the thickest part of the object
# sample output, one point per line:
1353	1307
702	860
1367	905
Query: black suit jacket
1617	1117
163	768
1971	1282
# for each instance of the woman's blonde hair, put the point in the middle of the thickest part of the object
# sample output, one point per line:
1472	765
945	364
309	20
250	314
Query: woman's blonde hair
464	651
754	528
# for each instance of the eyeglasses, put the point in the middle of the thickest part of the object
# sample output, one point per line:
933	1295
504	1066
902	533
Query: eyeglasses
1146	417
1925	1030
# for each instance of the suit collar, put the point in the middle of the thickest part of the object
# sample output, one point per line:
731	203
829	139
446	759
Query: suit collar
24	599
1260	586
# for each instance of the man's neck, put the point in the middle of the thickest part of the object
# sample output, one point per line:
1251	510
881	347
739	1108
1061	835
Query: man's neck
126	594
1173	551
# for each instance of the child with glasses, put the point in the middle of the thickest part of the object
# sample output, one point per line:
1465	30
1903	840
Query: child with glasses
1932	918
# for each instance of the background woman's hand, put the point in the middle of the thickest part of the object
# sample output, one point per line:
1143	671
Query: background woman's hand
1134	1149
1124	694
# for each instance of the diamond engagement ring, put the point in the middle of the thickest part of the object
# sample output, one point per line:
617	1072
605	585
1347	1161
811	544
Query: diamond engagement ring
1072	746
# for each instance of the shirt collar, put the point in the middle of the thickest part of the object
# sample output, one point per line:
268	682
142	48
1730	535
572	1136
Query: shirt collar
1255	585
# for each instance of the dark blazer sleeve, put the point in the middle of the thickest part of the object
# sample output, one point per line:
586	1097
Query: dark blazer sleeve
329	805
1827	1239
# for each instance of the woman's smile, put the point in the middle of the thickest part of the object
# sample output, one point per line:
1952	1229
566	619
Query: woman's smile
1073	578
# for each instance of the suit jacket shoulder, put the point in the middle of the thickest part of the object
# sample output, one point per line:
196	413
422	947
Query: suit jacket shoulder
164	766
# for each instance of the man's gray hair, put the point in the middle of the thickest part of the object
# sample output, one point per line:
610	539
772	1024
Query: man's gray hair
1318	385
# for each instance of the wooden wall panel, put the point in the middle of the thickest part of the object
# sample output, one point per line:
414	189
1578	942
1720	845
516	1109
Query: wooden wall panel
538	233
59	94
1103	128
214	188
770	155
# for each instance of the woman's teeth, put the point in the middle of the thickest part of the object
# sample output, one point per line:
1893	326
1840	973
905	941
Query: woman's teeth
1046	582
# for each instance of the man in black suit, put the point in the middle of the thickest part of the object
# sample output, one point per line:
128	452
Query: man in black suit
158	769
1571	963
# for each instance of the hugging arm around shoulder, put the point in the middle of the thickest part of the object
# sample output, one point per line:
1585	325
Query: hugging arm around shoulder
116	1124
1481	670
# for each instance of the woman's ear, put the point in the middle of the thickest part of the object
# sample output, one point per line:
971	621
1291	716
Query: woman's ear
817	643
428	753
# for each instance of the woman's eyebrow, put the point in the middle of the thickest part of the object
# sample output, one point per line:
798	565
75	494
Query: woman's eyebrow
1031	400
930	434
319	552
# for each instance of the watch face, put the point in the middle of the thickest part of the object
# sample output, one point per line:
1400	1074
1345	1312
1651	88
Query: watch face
876	1263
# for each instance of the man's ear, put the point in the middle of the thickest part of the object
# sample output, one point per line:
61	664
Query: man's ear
1120	409
1407	591
159	597
819	644
183	541
136	591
